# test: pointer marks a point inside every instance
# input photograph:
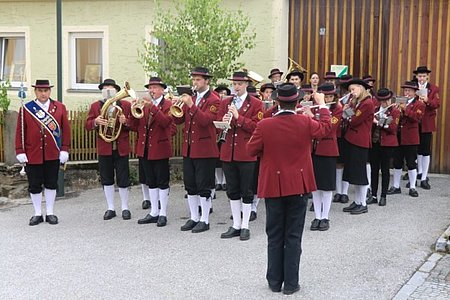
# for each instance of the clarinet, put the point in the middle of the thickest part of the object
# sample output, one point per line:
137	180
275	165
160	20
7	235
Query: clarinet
223	134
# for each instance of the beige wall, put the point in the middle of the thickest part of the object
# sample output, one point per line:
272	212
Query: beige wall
125	23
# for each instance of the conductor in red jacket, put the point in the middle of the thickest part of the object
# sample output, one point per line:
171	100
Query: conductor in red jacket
286	176
112	156
42	142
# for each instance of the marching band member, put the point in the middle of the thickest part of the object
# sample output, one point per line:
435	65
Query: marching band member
286	175
112	156
295	77
408	138
384	141
357	141
199	149
330	77
324	153
428	124
266	91
154	148
242	111
42	143
314	81
275	75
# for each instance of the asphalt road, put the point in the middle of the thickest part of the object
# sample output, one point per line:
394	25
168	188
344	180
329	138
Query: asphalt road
366	256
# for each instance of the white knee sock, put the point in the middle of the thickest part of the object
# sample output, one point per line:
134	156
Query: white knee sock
419	164
109	194
362	194
154	198
37	202
193	201
145	192
425	166
412	174
206	206
123	193
219	175
317	201
50	196
236	212
213	193
224	180
339	181
369	174
345	185
255	203
397	176
246	209
327	197
164	200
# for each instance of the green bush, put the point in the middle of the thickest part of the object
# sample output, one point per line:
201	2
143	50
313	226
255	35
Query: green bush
4	99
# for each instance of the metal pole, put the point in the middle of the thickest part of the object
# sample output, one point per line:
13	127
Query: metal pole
60	188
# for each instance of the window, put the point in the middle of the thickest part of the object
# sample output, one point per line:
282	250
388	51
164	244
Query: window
87	59
12	58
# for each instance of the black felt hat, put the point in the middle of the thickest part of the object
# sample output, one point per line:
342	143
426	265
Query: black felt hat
42	83
327	89
275	71
422	69
110	82
383	94
287	92
201	71
155	81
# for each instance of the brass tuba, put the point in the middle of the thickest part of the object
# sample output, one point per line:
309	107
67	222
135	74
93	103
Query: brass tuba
111	111
293	65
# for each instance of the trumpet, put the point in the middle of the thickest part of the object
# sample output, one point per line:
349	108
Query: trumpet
223	135
177	107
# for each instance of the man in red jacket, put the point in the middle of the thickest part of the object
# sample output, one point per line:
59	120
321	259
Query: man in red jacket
430	97
42	143
286	176
154	148
199	148
112	156
243	112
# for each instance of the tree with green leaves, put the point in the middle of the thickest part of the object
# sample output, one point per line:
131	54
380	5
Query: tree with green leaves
200	33
4	98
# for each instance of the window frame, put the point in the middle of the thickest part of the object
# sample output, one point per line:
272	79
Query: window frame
8	32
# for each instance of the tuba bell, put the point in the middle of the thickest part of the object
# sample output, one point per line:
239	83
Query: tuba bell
111	111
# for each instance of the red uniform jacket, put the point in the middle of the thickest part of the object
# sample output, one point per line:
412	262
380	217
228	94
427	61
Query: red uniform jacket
39	144
409	123
359	128
388	136
327	145
155	131
199	132
429	116
281	143
123	141
250	113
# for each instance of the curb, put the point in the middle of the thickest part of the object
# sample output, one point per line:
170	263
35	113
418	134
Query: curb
443	242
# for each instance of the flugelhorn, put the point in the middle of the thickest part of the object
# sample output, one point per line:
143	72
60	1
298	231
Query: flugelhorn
111	111
137	108
177	107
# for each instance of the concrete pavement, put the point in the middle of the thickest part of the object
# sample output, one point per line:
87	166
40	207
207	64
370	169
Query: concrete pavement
369	256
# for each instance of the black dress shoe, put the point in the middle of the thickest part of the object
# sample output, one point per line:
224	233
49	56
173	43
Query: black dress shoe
146	204
324	225
162	221
311	208
218	187
200	227
344	199
275	288
36	220
253	216
231	232
291	291
408	185
109	214
245	234
425	185
382	201
315	225
372	200
350	207
224	187
359	209
185	196
189	225
148	219
368	194
419	176
126	214
51	219
413	193
393	190
337	198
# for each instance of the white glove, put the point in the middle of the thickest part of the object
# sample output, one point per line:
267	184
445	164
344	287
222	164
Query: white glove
22	158
63	157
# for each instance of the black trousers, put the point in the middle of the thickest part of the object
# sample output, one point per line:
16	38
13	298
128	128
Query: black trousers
107	164
380	158
425	144
43	174
198	175
240	176
142	178
285	219
408	153
156	173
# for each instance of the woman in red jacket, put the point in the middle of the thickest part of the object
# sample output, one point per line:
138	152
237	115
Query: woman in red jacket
384	141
